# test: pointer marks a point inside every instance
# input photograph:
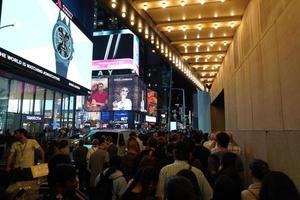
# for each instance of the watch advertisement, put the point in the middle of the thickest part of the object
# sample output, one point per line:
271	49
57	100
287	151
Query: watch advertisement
118	50
43	34
152	102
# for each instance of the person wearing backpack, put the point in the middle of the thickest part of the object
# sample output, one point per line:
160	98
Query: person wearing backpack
111	183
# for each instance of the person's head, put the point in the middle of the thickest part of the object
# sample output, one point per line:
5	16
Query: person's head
109	140
259	169
178	188
63	179
81	143
115	162
152	142
197	135
63	147
95	142
133	145
21	133
124	91
147	178
277	186
102	143
100	86
182	151
222	139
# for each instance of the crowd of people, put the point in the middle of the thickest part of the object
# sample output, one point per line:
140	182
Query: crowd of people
168	166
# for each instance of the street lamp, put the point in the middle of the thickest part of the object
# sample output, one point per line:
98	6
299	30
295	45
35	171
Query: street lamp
183	103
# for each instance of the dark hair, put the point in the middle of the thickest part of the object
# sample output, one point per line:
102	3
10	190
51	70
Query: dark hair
101	140
22	131
259	168
144	176
115	161
152	142
81	143
61	173
62	144
198	136
222	139
178	188
182	151
277	186
189	174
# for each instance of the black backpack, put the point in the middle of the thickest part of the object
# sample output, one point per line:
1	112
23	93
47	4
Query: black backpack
105	186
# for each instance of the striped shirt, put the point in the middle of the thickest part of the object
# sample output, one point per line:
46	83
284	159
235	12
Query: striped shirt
173	169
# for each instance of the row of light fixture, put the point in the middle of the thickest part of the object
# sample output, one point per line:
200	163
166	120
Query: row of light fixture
160	45
184	28
164	3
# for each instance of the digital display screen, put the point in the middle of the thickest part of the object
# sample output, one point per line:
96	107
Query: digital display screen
98	100
105	116
45	35
115	51
124	94
152	102
120	117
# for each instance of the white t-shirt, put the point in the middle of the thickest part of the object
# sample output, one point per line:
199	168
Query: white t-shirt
125	104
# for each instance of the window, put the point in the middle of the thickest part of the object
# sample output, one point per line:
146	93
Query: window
16	90
57	110
4	86
39	101
49	104
29	91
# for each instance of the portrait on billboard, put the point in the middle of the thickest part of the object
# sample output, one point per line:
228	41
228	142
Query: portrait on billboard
124	93
152	102
98	100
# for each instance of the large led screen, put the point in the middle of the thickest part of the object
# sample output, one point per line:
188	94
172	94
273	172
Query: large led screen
44	35
152	102
123	93
98	100
115	51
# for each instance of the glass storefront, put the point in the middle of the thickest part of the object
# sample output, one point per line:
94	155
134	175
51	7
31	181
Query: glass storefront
33	107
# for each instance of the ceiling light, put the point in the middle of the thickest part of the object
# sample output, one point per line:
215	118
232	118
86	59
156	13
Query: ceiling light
169	19
183	18
169	28
185	37
212	44
232	24
164	4
202	1
216	15
200	26
183	28
198	36
216	25
182	3
224	34
225	43
145	6
220	48
113	4
222	1
211	35
208	49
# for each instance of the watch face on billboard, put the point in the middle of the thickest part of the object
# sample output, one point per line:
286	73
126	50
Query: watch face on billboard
123	93
45	35
98	100
115	51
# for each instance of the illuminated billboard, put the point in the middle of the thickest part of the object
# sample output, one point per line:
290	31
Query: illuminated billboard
152	102
46	36
113	51
98	100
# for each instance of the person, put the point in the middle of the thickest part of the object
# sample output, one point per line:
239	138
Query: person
112	149
123	103
142	186
79	157
98	160
178	188
111	183
24	149
277	186
182	153
228	183
258	170
62	183
99	96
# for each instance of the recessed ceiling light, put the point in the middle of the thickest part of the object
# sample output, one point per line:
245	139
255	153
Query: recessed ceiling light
202	1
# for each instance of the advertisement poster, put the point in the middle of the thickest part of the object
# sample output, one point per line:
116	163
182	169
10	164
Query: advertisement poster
152	102
98	100
124	94
45	35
